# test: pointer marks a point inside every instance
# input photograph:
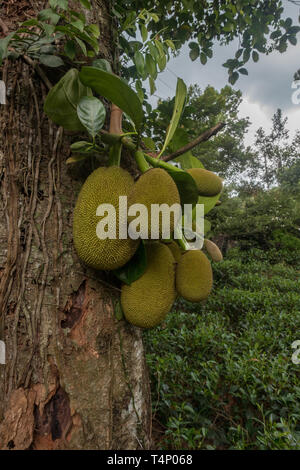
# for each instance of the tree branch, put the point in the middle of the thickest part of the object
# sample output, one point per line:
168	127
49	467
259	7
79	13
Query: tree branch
202	138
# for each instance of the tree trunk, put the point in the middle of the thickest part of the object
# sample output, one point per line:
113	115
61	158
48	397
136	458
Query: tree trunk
75	377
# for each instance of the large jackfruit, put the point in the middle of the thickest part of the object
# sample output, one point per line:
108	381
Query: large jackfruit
208	183
194	277
155	186
103	186
147	301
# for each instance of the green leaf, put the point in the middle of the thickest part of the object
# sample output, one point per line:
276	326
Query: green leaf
81	45
70	49
194	54
63	4
102	64
144	32
255	56
150	144
94	30
187	160
50	15
61	102
135	268
139	62
233	78
86	4
91	113
243	71
114	89
81	146
152	86
181	93
4	45
78	24
186	186
209	202
151	66
203	58
76	158
170	44
51	60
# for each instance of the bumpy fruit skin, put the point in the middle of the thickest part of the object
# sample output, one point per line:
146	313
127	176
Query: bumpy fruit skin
208	183
104	185
155	186
147	301
213	250
194	278
175	249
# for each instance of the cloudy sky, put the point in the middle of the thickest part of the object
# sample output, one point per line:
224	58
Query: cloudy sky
267	87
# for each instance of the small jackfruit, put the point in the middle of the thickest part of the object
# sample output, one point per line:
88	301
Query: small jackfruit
208	183
155	186
147	300
175	249
103	186
213	250
194	278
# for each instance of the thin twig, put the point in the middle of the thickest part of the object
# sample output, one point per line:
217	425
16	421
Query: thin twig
202	138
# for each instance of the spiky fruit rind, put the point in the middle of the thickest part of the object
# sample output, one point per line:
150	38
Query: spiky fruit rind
147	301
103	186
155	186
175	249
208	183
213	250
194	278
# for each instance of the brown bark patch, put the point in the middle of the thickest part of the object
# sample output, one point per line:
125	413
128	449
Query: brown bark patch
74	307
52	426
16	430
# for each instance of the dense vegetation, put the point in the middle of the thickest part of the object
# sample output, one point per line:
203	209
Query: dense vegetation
221	372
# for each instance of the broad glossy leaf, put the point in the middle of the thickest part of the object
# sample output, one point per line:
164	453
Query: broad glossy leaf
187	160
62	100
91	113
114	89
135	268
181	92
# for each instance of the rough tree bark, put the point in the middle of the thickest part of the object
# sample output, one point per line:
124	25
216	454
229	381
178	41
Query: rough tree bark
75	377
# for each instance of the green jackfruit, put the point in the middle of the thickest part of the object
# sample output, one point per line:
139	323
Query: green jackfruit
155	186
103	186
175	249
213	250
194	278
208	183
147	301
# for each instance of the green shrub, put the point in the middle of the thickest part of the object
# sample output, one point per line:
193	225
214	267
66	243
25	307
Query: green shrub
221	371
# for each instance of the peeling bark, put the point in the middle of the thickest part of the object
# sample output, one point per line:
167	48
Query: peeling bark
75	377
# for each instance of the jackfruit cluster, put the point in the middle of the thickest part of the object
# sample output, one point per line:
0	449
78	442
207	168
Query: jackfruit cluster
155	186
208	183
103	186
147	300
